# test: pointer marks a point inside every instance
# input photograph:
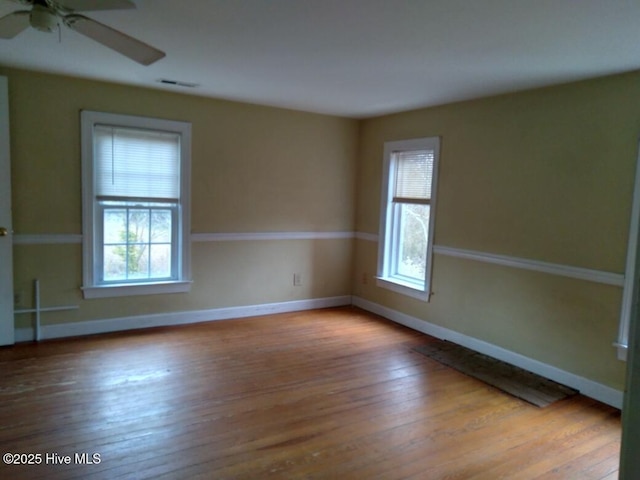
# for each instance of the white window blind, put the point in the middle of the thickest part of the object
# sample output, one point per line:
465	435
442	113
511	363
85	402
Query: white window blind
136	163
413	171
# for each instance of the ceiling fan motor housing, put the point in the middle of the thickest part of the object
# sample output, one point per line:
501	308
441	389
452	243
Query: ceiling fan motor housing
43	19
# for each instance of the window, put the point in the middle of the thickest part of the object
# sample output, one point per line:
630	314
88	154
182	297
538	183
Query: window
407	216
135	205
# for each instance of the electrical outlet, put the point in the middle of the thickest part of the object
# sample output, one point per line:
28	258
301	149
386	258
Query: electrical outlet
297	280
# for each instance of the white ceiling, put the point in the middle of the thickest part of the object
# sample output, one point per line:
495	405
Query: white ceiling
354	58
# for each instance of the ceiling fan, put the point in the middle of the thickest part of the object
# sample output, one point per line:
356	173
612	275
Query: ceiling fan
46	15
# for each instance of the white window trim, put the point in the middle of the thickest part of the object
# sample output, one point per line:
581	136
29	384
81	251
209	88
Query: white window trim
629	297
107	291
91	288
419	291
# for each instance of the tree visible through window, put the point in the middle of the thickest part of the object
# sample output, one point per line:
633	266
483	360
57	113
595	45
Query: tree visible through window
413	238
137	243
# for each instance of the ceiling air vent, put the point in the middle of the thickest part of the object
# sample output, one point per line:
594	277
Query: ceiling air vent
177	83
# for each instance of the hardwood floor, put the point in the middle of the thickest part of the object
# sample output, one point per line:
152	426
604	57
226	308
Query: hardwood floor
335	394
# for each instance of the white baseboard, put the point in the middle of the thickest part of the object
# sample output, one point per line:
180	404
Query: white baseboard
587	387
75	329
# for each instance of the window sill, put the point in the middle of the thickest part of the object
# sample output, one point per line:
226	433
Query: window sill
107	291
404	288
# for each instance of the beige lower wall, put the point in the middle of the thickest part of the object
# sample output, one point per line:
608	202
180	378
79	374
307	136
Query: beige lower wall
563	322
59	271
225	274
257	272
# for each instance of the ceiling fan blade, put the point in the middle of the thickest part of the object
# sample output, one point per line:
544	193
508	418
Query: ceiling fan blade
118	41
23	2
14	23
93	5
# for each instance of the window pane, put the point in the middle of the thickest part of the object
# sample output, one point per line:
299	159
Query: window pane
114	225
138	261
138	243
114	261
413	234
161	226
160	261
138	226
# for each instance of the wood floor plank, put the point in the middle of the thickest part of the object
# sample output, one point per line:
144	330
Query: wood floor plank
594	449
336	393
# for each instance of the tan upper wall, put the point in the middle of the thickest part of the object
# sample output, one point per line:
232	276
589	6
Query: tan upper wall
254	168
545	174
